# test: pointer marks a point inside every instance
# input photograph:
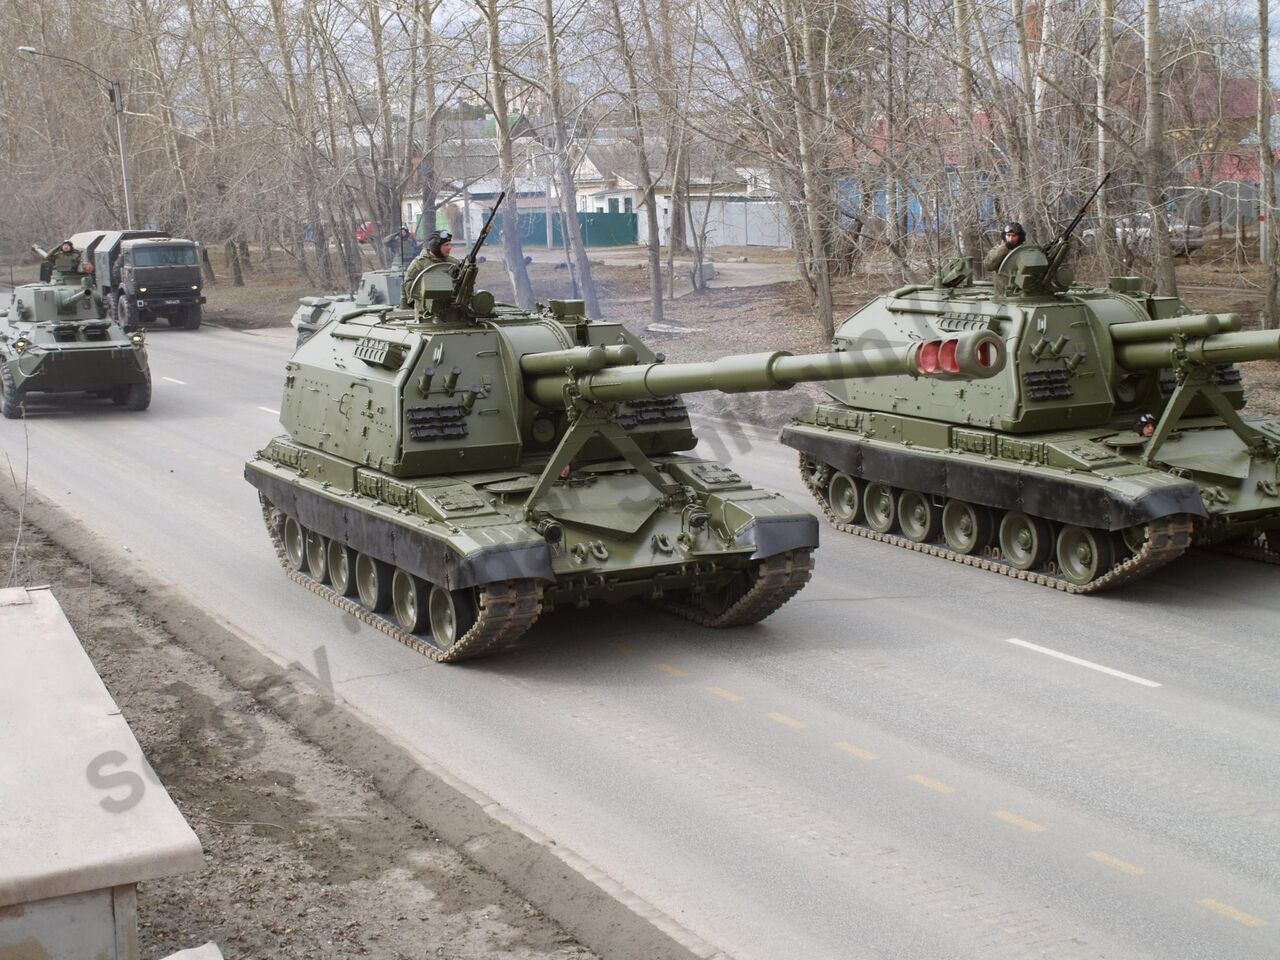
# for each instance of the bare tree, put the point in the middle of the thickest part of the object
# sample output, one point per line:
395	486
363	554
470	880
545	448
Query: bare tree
1267	173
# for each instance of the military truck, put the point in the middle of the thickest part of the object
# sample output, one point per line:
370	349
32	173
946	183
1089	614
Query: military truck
55	337
463	466
375	287
143	275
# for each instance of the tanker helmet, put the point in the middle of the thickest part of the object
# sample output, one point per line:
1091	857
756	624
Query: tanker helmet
437	240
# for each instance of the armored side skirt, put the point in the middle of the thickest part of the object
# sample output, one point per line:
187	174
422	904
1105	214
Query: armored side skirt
1082	500
406	545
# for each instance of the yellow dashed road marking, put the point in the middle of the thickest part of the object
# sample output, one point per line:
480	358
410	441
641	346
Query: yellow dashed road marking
924	781
1239	916
786	721
668	668
1120	865
1029	825
856	751
725	694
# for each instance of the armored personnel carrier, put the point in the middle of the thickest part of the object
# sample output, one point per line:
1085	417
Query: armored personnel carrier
55	338
463	466
376	287
1109	444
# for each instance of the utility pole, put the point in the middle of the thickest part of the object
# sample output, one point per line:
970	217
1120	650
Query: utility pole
116	96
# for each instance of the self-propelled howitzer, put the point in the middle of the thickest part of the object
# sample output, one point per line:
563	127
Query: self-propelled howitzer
1110	443
464	466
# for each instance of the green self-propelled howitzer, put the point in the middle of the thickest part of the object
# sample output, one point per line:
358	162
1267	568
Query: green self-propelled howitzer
55	338
452	471
1111	441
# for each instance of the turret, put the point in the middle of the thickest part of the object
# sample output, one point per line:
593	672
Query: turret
461	383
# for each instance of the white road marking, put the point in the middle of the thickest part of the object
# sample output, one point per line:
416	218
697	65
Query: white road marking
171	380
269	410
1082	663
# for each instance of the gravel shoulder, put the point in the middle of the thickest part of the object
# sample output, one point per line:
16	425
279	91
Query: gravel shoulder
305	857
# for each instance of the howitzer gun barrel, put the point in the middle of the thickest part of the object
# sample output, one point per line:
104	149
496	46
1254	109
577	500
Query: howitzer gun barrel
972	355
1235	347
1192	325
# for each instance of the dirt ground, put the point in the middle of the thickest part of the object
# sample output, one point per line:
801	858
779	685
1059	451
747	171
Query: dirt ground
304	858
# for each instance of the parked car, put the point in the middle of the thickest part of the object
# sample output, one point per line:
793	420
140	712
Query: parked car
1135	231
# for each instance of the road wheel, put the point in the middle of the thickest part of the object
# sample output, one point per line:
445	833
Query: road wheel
880	506
918	518
10	401
816	473
410	600
1135	538
295	544
965	527
373	582
191	319
452	614
317	550
341	564
1025	541
845	496
1084	554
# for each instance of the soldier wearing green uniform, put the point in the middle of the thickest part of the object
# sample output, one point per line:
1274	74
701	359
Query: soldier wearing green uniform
65	259
1014	236
437	250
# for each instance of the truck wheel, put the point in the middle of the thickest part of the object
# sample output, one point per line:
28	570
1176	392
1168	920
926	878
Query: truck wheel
193	317
140	394
127	313
133	396
10	402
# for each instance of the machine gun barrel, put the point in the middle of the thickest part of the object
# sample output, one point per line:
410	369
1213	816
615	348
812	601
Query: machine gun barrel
1191	325
973	355
66	297
1233	347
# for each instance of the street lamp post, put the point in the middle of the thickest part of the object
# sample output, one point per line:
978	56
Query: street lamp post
116	97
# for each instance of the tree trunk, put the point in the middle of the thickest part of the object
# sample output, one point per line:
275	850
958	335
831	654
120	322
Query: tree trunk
512	248
1153	161
580	263
1105	236
1267	175
232	254
644	174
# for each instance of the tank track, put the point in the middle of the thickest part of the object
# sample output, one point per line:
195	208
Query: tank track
1168	538
505	611
1258	548
778	579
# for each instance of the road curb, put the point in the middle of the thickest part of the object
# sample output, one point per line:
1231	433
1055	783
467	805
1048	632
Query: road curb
602	914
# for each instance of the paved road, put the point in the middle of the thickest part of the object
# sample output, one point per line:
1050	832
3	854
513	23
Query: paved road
878	770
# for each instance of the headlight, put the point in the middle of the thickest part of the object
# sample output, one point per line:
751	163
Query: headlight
195	286
142	289
21	344
136	338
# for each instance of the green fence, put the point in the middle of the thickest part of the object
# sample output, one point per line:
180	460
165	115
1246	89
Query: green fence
598	229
